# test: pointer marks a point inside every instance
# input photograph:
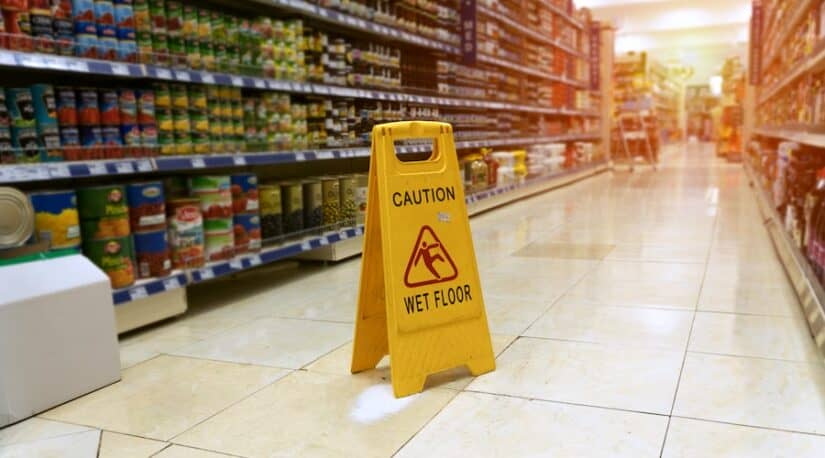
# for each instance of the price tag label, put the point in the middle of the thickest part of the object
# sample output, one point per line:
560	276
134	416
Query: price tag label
207	274
325	155
55	63
239	160
120	69
237	81
31	61
182	75
344	235
59	171
300	157
259	83
198	163
138	293
305	246
323	241
359	231
255	260
236	264
144	165
163	73
97	168
171	283
7	59
124	167
207	78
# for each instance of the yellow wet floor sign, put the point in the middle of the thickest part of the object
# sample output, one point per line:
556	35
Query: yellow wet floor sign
420	298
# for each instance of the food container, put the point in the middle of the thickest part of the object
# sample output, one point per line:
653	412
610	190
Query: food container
127	102
292	206
331	200
271	217
109	107
217	224
209	183
88	109
361	192
66	106
56	218
20	106
247	233
347	185
244	193
147	209
44	104
152	254
219	245
186	237
104	212
313	202
115	256
216	204
16	218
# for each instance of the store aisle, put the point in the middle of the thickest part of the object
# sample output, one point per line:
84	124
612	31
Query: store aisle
633	315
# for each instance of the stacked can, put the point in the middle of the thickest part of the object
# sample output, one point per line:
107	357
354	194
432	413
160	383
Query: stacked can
272	225
6	150
56	219
250	44
281	48
313	204
347	188
88	117
17	25
104	225
279	121
147	220
225	114
216	206
174	32
159	33
191	42
255	123
147	122
292	200
186	238
163	118
331	189
236	104
129	130
85	28
66	101
245	215
214	112
106	29
63	27
361	192
23	124
126	34
110	123
199	119
180	118
42	27
143	30
45	114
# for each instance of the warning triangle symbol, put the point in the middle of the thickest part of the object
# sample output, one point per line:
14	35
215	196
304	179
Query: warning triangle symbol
429	262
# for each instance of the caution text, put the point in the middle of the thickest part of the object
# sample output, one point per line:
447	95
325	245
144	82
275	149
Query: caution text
437	298
423	196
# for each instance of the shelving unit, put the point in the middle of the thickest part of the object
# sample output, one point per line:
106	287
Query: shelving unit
785	163
539	96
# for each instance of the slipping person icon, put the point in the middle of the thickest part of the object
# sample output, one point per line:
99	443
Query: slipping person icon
429	258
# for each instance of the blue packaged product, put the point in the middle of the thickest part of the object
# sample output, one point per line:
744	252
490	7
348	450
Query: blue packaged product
104	12
106	48
45	106
87	44
126	34
111	136
152	254
244	181
147	206
106	31
69	136
20	106
124	15
24	142
127	51
130	134
83	10
91	136
246	232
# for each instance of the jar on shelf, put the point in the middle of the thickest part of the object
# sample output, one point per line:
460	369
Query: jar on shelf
475	172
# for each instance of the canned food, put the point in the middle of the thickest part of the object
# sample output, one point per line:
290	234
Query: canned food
247	233
18	28
157	13
66	106
313	199
216	204
124	15
186	238
217	224
109	107
331	200
20	107
179	96
112	142
56	219
104	12
293	206
127	102
25	143
88	110
86	45
115	257
43	102
271	218
190	22
174	18
48	137
16	218
91	139
142	18
244	193
145	106
127	51
219	245
347	185
147	209
152	254
70	142
102	201
163	97
40	15
106	47
200	123
209	183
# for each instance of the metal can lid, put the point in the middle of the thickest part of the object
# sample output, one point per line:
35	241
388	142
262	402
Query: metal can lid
16	218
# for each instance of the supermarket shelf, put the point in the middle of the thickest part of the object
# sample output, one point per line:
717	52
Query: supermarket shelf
811	64
355	23
787	26
267	255
563	14
537	36
817	140
487	59
20	173
476	203
804	281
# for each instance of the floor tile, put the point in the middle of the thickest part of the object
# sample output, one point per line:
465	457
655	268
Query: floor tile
702	439
626	326
338	305
178	451
114	445
756	392
753	335
670	252
516	285
318	414
76	445
764	299
35	429
481	425
338	362
561	250
512	315
277	342
636	379
165	396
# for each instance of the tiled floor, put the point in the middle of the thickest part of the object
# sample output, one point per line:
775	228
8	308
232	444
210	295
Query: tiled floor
637	315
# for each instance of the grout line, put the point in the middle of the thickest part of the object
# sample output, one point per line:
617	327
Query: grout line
761	358
744	425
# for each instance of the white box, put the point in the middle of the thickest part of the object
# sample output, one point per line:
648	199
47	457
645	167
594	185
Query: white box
57	335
